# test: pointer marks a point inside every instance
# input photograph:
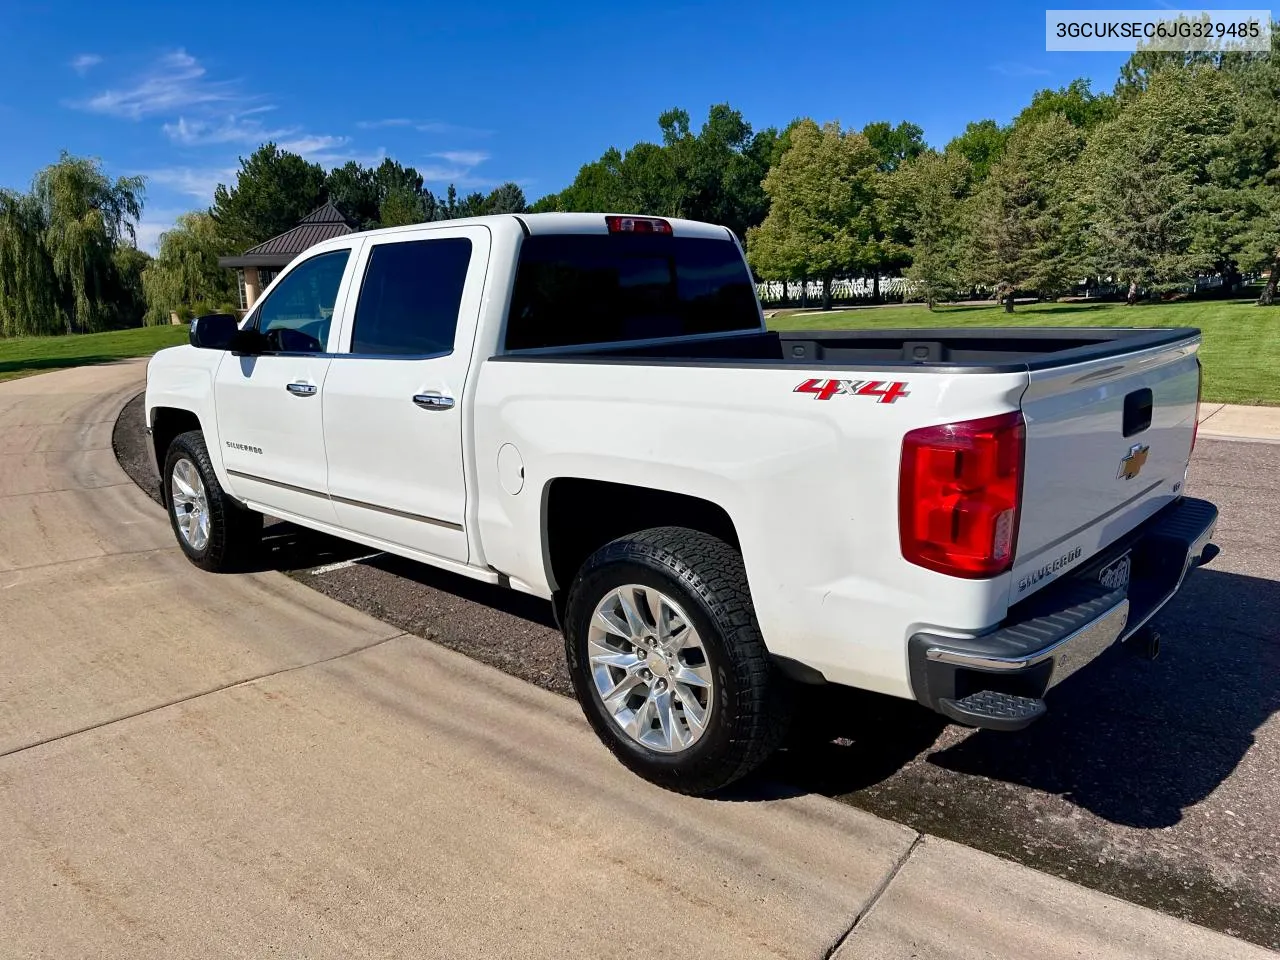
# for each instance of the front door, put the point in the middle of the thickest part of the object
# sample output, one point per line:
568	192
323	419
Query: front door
268	404
393	422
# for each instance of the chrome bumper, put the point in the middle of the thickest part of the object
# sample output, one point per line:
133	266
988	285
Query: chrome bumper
1051	636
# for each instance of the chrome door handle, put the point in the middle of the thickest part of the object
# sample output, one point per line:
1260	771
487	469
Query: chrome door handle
433	401
301	389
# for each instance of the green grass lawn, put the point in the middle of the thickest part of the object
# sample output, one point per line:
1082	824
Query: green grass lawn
23	356
1241	351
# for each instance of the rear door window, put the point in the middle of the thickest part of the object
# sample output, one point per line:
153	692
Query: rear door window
576	289
410	298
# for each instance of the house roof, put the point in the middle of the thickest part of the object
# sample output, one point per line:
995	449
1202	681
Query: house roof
323	223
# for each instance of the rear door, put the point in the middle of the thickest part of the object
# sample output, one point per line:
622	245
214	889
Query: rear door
268	404
392	399
1108	442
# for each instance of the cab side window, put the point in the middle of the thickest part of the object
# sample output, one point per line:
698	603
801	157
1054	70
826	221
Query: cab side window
296	315
410	298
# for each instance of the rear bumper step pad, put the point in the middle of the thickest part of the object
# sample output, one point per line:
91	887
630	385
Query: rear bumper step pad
998	680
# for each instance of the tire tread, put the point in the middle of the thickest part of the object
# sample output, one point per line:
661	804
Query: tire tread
713	570
235	532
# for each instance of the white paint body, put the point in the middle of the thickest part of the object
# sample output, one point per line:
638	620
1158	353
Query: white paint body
811	486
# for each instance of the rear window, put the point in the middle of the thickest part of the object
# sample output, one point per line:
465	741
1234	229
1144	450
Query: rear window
582	288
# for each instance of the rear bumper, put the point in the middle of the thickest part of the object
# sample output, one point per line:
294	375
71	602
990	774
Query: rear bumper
997	680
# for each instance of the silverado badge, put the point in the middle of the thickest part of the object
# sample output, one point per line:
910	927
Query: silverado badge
1132	465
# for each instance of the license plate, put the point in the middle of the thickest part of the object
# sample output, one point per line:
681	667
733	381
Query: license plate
1115	575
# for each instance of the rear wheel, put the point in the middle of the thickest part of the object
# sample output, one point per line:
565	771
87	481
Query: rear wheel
214	531
668	663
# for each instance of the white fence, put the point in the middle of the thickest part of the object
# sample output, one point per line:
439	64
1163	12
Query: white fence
857	288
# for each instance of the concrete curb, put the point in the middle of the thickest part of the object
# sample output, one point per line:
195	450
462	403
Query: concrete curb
1226	421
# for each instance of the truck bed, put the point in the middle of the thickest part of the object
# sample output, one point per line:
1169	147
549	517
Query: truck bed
952	350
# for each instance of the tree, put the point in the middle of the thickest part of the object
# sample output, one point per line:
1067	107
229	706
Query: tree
821	216
927	194
1082	108
30	301
508	198
1024	223
274	189
353	190
185	278
127	299
714	175
981	144
1241	214
59	272
388	195
400	206
85	216
1145	177
895	145
717	173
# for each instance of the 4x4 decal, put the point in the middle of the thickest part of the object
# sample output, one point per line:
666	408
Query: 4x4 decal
884	391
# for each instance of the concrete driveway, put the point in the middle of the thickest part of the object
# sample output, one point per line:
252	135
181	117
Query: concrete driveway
193	765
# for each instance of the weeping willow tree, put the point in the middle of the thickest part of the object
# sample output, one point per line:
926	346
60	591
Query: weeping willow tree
185	277
28	289
59	263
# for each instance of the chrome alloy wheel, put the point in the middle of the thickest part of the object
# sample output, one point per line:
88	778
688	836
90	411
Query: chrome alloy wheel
190	504
650	668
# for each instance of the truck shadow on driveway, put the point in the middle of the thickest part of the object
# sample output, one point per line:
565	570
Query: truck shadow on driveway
1133	741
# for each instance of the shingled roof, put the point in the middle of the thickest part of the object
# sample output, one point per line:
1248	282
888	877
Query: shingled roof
323	223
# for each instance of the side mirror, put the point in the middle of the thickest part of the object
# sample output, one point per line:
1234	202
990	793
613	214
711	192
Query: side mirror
214	331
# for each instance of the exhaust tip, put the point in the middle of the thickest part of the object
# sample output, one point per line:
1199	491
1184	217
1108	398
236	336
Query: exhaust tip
1145	643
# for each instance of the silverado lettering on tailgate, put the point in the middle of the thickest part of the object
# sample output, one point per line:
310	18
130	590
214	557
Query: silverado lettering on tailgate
1049	569
887	392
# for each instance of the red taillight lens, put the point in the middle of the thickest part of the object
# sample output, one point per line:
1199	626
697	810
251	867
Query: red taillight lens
637	225
1195	428
959	495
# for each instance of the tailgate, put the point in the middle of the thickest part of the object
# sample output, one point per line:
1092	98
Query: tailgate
1108	442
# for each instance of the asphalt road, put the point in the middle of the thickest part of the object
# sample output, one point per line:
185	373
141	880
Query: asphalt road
1155	781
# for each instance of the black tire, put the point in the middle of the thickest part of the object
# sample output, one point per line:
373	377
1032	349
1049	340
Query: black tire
706	576
235	533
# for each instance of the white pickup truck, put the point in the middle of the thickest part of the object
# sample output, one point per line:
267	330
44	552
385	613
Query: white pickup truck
589	408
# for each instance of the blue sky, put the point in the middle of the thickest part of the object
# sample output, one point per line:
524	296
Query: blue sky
482	95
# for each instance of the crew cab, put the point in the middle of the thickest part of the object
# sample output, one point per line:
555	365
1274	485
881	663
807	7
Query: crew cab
589	408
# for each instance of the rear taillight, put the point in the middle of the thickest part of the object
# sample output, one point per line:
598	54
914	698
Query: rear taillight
1195	427
959	495
637	225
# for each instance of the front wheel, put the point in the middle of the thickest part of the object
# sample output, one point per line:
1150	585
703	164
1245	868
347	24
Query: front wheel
214	531
668	663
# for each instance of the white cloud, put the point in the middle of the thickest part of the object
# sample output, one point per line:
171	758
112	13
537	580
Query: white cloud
85	62
310	145
425	126
378	124
233	128
463	158
330	151
174	83
458	169
152	224
435	173
1009	69
196	182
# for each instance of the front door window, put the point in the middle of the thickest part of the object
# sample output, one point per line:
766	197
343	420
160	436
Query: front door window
296	317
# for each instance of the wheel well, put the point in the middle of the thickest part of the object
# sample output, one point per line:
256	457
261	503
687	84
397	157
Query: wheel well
167	423
583	515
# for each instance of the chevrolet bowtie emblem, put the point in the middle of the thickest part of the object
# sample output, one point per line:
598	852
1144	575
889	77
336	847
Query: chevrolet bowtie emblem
1132	465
